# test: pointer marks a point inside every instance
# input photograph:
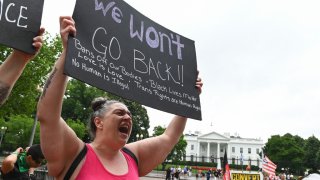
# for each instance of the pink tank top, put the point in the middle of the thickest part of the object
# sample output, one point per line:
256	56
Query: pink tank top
92	168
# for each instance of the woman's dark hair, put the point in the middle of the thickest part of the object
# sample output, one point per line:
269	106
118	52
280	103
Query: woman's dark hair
99	106
35	152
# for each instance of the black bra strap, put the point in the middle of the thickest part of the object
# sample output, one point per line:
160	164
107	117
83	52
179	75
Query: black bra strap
130	153
76	162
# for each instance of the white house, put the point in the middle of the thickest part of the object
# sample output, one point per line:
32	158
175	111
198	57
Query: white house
210	147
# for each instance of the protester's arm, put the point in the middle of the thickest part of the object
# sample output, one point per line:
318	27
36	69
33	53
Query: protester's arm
152	151
59	143
14	65
8	162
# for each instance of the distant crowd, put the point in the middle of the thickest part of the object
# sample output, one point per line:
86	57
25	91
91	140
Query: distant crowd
173	173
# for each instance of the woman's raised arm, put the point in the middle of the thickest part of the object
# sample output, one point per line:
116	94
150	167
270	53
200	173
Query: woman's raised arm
14	65
59	143
153	151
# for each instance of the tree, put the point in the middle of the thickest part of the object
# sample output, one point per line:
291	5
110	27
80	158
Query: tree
285	151
4	52
24	96
78	127
177	153
318	156
18	132
77	101
19	129
312	148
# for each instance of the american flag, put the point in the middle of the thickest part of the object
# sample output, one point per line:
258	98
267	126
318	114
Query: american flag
268	166
241	158
226	174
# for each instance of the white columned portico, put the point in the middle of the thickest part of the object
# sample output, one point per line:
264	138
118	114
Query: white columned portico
218	156
208	152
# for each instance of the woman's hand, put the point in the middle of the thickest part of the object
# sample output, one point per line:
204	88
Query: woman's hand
67	27
37	44
19	150
199	84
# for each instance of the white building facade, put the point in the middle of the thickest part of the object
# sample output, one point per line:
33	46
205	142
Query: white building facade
211	147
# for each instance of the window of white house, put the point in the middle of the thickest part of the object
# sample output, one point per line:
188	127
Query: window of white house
192	147
233	149
241	150
249	150
257	151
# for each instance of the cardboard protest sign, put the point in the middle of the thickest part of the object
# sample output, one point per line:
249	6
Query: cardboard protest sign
121	51
19	23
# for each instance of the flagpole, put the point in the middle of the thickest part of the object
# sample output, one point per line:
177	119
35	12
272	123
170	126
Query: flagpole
262	156
241	162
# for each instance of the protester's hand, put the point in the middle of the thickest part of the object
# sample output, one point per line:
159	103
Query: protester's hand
27	148
19	150
67	27
199	84
38	40
37	44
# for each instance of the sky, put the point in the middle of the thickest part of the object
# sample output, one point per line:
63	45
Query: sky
259	62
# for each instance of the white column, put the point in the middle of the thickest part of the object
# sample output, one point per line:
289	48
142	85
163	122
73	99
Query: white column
198	151
218	156
208	152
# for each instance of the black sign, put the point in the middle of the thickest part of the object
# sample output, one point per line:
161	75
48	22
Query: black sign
19	23
121	51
